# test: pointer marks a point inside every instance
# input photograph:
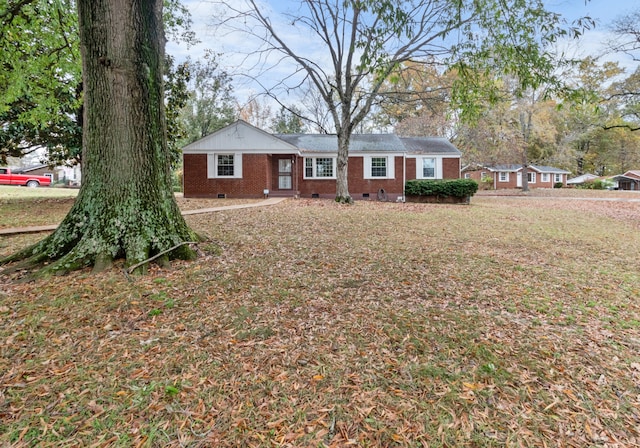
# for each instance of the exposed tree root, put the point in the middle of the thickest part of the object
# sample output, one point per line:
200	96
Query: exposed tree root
344	200
160	255
67	250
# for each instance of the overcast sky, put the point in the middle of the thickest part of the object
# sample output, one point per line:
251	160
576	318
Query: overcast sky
602	11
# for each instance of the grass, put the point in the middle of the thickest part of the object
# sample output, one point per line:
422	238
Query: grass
11	192
509	322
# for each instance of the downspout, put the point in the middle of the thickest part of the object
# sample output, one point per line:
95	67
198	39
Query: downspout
296	159
404	175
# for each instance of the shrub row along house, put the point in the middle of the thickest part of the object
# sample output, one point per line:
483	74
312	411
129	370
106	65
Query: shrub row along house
498	177
242	161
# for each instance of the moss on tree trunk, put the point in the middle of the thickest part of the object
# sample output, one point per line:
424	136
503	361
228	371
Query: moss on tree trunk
342	170
125	208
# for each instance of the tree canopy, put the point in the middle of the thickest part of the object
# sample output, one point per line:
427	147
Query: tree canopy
210	104
41	83
365	40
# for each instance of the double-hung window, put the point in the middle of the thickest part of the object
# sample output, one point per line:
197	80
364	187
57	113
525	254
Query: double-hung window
225	165
378	167
531	177
545	177
319	167
503	176
429	168
557	177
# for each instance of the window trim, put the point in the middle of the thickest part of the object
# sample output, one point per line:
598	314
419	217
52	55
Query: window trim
544	177
368	167
314	167
437	163
505	174
212	165
531	177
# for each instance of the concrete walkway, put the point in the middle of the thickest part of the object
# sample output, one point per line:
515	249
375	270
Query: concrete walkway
35	229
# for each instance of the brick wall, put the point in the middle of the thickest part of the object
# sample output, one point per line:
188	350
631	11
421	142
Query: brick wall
254	180
256	169
451	168
513	180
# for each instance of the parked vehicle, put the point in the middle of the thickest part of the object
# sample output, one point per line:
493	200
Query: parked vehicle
11	178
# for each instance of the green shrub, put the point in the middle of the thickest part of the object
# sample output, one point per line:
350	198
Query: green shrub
458	188
597	184
558	185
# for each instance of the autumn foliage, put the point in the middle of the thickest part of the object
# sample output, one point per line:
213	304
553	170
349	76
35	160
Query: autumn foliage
510	322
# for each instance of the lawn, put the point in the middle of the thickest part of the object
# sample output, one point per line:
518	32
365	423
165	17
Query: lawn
507	322
8	192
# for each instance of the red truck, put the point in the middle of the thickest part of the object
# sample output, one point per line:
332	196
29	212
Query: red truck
9	178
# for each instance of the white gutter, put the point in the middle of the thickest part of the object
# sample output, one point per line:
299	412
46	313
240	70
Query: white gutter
404	175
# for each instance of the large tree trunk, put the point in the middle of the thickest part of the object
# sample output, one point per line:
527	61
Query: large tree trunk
125	207
342	170
525	177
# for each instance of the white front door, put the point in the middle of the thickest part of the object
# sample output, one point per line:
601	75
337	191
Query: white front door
519	180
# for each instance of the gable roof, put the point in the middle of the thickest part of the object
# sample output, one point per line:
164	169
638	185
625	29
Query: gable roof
240	136
549	169
28	169
582	178
429	145
357	143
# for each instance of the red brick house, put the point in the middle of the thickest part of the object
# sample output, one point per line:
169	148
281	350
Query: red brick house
510	176
242	161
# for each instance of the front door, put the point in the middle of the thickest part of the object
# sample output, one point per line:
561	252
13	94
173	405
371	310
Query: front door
519	180
284	174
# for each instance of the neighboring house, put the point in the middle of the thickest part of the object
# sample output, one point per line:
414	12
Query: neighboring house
628	181
67	175
37	170
583	178
510	176
242	161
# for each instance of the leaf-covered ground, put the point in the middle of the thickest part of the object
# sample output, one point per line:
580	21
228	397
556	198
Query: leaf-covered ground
509	322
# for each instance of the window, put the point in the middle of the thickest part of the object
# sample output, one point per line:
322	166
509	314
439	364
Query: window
225	165
308	167
503	176
319	167
429	168
531	177
467	176
557	177
545	177
378	167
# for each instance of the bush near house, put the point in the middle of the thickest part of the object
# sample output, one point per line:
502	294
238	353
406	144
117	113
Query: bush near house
455	190
597	184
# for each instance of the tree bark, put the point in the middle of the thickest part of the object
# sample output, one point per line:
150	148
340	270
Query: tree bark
342	170
125	208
